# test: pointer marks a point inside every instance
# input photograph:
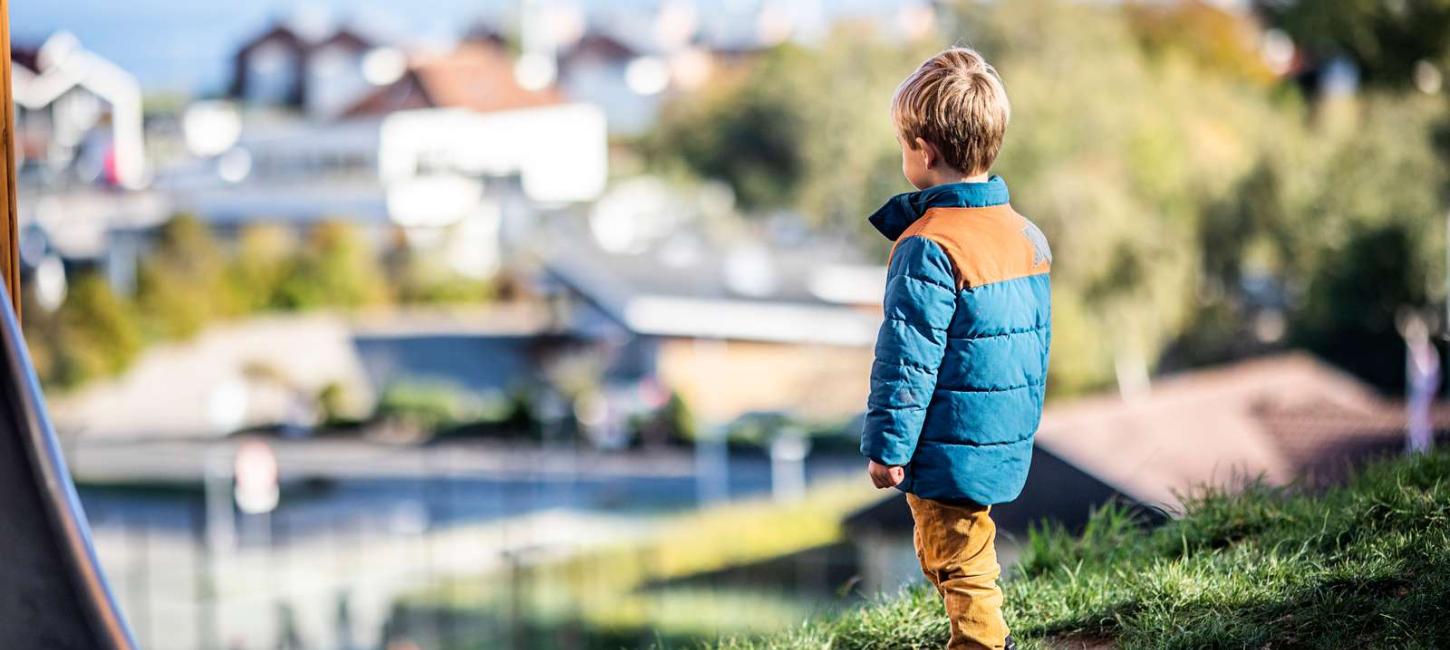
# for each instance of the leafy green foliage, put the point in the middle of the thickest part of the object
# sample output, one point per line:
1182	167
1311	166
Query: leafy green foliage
93	334
1364	565
420	278
178	282
746	133
188	279
263	258
1357	300
337	266
799	129
1149	142
430	406
1386	38
1216	40
1118	186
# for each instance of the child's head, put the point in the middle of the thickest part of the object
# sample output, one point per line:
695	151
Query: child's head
950	117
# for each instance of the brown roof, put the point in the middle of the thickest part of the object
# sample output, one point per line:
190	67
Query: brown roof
346	38
282	33
1280	418
279	33
476	76
404	94
594	45
25	57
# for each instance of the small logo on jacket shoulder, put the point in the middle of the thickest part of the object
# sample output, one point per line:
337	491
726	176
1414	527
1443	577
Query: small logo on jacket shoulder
1041	252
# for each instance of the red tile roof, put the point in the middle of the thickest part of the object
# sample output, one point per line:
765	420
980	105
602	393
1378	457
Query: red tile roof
1278	418
475	76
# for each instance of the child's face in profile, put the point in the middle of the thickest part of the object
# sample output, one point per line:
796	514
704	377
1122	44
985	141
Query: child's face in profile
917	158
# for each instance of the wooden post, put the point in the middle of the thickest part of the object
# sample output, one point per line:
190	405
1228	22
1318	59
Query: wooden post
10	229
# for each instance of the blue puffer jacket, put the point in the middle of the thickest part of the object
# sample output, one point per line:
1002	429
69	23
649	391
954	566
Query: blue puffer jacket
961	358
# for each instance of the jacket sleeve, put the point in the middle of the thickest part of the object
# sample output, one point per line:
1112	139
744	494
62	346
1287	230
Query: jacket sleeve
920	301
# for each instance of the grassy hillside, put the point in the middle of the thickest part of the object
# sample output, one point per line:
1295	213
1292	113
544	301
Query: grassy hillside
1365	565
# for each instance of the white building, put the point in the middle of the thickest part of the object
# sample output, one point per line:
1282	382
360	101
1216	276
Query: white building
78	116
444	146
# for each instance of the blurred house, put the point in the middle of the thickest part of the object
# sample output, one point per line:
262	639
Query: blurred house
732	329
82	160
447	147
1276	419
596	69
476	75
271	371
77	118
319	74
246	374
630	60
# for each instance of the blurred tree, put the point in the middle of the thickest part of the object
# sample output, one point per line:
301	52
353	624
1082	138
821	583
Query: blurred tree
95	333
337	267
42	332
1369	236
1217	40
1349	314
1243	237
670	424
744	131
1386	37
424	277
180	281
1306	210
428	406
802	128
1231	227
264	253
1184	192
1117	184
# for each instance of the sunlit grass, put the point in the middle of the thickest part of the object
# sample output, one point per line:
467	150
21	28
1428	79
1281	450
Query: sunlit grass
1363	566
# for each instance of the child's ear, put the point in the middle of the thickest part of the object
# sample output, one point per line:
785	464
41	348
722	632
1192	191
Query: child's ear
928	152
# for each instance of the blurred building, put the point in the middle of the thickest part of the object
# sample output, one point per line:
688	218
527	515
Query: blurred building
733	328
1276	419
320	74
629	60
82	160
596	69
78	117
447	147
269	372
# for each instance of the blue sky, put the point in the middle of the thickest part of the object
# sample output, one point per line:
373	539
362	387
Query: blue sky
185	45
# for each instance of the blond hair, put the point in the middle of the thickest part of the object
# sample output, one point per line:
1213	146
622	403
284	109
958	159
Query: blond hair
955	101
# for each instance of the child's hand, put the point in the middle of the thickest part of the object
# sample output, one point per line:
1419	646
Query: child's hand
884	476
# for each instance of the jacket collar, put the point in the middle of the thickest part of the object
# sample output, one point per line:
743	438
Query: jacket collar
901	210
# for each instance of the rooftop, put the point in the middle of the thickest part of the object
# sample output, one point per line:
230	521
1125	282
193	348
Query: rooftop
1279	418
477	76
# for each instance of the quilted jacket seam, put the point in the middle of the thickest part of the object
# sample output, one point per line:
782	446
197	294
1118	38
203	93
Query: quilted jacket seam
929	281
905	407
967	389
903	363
966	443
1027	330
974	287
909	321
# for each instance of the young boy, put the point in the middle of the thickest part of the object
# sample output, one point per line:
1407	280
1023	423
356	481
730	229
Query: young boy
961	358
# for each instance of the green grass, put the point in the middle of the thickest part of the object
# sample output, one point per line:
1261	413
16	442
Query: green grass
1366	565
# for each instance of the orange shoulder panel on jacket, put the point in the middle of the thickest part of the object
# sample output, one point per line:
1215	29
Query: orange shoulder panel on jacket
985	245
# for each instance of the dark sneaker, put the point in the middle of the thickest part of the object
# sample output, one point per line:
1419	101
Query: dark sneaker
1011	645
